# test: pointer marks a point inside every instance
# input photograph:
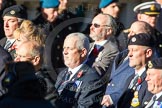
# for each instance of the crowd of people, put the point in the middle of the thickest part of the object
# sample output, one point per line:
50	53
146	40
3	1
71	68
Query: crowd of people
49	62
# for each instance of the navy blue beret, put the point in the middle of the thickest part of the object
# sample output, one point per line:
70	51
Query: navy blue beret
49	3
104	3
155	63
142	39
15	11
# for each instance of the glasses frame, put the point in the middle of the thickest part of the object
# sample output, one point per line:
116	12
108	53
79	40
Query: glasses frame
98	25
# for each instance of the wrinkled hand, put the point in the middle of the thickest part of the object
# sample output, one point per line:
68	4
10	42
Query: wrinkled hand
106	101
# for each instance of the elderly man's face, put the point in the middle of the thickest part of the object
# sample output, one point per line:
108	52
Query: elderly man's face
98	29
154	80
50	14
72	56
10	25
137	56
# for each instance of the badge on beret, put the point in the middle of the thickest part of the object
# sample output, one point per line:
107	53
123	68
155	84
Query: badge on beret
134	39
12	12
150	65
153	8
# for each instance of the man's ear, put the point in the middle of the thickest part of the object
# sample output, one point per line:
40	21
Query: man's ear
36	60
149	53
109	31
139	17
83	52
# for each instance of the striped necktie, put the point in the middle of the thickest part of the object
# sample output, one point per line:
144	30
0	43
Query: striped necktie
7	45
64	83
151	102
133	81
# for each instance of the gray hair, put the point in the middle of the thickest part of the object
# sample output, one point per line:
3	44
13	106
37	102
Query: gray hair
82	40
111	22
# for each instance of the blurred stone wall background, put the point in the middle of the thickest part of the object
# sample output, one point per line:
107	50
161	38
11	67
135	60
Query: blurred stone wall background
127	15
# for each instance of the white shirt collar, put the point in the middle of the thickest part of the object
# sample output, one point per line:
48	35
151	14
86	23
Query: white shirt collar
74	71
158	95
98	45
140	72
11	40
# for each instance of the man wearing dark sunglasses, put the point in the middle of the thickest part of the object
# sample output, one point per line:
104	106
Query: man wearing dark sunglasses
104	48
112	8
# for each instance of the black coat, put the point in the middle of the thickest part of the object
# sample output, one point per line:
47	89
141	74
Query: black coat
5	57
26	93
51	93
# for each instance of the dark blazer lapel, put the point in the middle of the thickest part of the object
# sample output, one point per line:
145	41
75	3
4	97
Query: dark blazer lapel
160	98
81	71
91	48
60	78
3	41
143	76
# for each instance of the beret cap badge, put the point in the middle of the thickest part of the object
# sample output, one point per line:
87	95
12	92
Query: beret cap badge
134	39
12	12
150	65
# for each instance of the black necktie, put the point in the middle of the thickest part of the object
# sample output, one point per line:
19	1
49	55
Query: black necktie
67	76
65	81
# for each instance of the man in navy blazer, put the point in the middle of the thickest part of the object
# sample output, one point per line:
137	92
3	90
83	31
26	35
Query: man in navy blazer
140	52
120	69
79	86
154	79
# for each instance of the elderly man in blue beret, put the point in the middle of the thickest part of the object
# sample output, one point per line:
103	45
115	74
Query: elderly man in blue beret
111	7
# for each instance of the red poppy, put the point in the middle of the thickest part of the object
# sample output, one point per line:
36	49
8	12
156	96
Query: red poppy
79	74
139	80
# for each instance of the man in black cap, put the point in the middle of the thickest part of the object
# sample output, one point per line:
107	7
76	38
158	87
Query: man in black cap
140	52
154	79
12	16
3	5
120	69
